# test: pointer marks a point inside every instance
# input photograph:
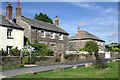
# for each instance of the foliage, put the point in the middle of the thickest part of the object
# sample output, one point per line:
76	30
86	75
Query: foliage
115	50
82	49
15	51
25	60
43	17
101	65
49	52
108	48
28	42
27	49
12	67
3	53
40	49
91	46
118	45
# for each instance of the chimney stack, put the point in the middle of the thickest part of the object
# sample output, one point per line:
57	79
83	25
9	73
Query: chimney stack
56	21
18	10
79	34
9	11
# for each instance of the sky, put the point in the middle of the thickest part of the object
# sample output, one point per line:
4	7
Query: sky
98	18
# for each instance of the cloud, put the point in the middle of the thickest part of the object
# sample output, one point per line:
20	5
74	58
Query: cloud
82	23
93	6
112	35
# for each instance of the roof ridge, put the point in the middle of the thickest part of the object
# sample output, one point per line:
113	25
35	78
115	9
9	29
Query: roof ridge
39	20
53	25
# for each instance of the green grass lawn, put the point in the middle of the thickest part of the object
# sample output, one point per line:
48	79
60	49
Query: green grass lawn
80	72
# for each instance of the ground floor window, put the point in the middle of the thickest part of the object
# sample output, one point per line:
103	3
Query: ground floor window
8	49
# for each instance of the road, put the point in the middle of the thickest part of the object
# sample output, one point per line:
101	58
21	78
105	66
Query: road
22	71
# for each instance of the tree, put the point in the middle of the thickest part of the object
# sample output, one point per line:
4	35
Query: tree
91	46
118	45
43	17
108	48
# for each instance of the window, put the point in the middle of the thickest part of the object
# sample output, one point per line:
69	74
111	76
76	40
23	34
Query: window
52	44
60	37
52	35
43	34
8	49
9	31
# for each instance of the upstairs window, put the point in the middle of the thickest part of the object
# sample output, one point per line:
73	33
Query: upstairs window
52	35
43	34
60	37
9	31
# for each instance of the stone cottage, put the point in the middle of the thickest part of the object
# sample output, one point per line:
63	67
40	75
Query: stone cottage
11	34
78	41
42	32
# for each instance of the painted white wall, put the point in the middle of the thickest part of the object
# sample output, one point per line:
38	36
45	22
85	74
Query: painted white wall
17	41
3	37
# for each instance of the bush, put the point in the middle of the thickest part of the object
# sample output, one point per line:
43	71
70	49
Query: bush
25	60
49	53
15	51
40	49
115	49
3	53
101	65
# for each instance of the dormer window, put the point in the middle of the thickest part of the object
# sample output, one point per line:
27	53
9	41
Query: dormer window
60	37
9	31
43	34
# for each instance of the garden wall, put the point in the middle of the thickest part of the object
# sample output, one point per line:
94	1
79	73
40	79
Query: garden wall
80	58
11	60
47	60
115	55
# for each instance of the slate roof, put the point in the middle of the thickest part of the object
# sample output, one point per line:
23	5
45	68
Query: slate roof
86	35
7	23
43	25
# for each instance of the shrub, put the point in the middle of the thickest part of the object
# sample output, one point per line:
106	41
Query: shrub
15	51
40	49
3	53
25	60
101	65
49	53
115	49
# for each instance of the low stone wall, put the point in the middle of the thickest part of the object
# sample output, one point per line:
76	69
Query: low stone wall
80	58
47	60
101	55
11	60
115	55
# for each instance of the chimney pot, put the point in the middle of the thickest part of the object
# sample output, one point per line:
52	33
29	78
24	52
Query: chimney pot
18	10
79	34
9	11
56	21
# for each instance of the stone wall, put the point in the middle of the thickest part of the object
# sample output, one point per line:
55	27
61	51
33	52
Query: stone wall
101	55
10	61
80	58
115	55
47	60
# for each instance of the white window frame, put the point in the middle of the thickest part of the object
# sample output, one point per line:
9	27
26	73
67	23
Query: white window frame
52	35
43	35
9	32
60	36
